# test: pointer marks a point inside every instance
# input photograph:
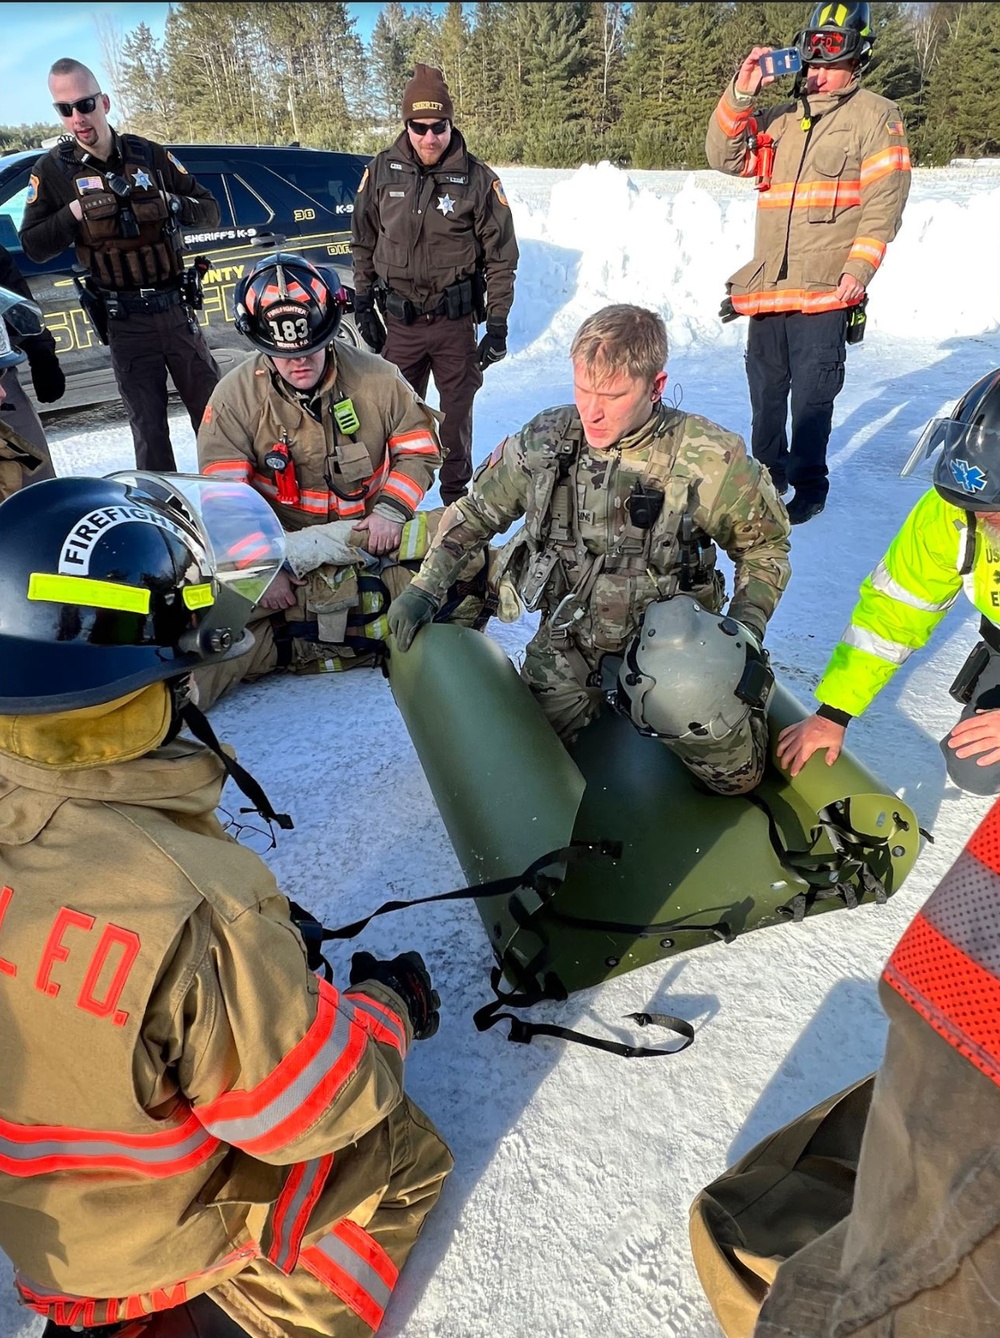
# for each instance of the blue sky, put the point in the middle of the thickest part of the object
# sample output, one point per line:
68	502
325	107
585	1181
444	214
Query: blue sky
32	36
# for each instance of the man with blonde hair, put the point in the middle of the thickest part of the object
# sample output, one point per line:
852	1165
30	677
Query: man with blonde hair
624	500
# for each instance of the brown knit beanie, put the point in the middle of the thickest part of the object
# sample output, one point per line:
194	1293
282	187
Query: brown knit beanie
426	96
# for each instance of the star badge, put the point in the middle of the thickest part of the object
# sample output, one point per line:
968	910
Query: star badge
142	179
446	204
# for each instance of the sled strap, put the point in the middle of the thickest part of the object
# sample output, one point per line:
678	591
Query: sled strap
522	1033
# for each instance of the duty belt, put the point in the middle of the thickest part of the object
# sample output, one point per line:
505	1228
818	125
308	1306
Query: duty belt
141	299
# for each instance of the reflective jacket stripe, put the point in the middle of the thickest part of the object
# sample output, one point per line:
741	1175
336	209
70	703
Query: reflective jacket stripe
86	1311
882	579
37	1149
404	489
381	1022
785	299
896	158
893	651
412	443
292	1097
732	120
292	1208
868	248
240	470
811	194
356	1268
947	964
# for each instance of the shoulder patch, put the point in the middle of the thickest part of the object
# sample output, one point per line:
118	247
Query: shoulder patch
895	127
180	166
32	194
498	189
207	415
496	454
364	181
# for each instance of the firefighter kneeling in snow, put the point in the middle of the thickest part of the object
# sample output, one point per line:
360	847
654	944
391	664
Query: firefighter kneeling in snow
191	1121
344	450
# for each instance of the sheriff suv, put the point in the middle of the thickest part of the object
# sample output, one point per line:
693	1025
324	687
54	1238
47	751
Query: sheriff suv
302	198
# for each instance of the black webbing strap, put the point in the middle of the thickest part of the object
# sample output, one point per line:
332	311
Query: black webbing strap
533	877
523	1033
204	733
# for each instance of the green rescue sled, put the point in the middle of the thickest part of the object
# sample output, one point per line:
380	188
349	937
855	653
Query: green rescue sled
691	867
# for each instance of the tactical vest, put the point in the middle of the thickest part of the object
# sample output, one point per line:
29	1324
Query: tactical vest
552	567
122	240
947	964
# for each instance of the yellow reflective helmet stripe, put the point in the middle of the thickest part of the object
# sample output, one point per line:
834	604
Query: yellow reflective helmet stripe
835	14
198	596
81	590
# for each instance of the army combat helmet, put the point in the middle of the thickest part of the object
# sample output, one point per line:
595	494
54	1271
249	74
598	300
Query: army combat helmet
287	307
109	585
691	674
836	33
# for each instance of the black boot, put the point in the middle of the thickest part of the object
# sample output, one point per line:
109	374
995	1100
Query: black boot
803	506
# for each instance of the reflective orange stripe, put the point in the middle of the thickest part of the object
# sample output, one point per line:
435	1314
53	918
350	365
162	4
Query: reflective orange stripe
896	158
811	195
38	1149
379	1021
356	1268
295	1093
87	1311
732	120
291	1210
869	249
785	299
240	470
419	442
403	488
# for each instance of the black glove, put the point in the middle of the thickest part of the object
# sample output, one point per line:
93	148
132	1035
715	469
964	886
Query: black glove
493	345
408	977
727	312
408	612
47	376
369	322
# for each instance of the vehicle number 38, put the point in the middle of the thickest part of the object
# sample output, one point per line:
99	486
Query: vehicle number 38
304	215
289	331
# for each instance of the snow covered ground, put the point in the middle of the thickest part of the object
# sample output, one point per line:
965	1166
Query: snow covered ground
566	1215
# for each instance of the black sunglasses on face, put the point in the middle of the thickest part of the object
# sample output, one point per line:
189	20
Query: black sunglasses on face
420	129
83	105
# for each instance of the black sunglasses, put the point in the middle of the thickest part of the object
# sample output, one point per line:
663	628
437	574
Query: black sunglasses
420	128
83	105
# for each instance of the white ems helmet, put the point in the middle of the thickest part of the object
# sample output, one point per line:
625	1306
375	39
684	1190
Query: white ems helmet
691	674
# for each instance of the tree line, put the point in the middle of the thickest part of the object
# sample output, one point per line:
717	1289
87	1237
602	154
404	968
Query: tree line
548	85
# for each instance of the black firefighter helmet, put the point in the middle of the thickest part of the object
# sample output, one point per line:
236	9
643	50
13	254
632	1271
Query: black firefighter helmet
108	585
967	471
287	307
836	33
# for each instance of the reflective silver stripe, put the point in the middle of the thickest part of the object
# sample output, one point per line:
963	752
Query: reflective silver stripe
382	1016
244	1129
348	1262
888	585
99	1150
282	1252
862	639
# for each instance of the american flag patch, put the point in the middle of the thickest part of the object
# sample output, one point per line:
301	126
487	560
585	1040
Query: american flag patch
496	455
895	127
89	183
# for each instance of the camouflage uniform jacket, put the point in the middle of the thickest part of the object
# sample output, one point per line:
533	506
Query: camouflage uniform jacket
169	1059
386	464
840	180
580	548
419	229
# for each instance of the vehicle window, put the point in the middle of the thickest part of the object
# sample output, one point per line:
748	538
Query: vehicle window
14	207
251	211
322	184
216	183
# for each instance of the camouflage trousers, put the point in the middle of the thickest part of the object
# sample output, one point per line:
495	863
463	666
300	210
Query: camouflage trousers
731	765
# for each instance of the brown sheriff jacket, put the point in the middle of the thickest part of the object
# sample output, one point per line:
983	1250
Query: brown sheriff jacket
387	464
169	1061
419	229
835	200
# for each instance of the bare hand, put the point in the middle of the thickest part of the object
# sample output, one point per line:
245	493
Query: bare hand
978	737
797	743
76	209
280	594
849	290
749	77
379	534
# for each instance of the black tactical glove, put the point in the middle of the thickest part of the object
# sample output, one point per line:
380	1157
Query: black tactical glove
47	376
408	612
408	977
369	322
493	345
727	312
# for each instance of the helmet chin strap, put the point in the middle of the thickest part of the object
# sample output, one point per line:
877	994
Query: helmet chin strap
187	713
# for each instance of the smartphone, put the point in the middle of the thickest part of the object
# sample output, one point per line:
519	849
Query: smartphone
787	60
